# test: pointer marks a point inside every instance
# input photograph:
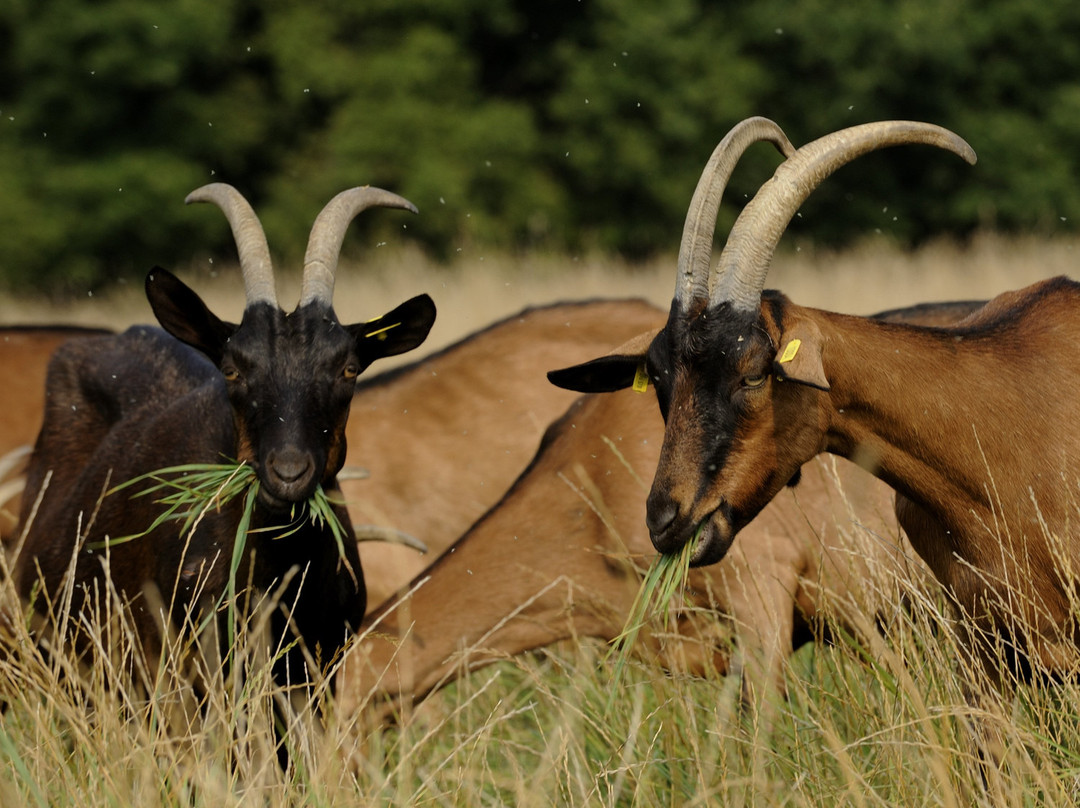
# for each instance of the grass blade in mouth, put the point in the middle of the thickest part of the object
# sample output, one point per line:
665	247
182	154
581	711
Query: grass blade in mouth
662	581
190	491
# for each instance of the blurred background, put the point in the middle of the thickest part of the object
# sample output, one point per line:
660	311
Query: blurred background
571	129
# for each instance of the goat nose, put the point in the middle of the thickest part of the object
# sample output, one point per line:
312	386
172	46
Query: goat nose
289	465
660	513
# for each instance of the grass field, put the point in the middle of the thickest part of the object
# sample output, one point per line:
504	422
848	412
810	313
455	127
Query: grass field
869	721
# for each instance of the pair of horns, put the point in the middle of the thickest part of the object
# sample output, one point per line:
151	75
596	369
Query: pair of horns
744	261
324	243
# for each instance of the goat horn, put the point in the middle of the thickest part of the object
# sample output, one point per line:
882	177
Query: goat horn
744	261
328	233
389	535
250	240
695	251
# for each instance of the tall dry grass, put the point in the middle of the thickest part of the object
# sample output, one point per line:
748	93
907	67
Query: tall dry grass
870	720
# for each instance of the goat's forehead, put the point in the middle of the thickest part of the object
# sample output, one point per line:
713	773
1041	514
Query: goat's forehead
717	341
274	337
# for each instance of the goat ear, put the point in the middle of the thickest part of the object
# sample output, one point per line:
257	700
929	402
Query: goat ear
622	368
182	313
799	358
604	375
395	332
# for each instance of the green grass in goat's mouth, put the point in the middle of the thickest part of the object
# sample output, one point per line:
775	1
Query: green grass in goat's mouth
663	580
190	491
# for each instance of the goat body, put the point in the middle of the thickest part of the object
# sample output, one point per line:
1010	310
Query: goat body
455	428
170	409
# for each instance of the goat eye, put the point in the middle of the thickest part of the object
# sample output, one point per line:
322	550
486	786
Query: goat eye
753	381
350	372
231	374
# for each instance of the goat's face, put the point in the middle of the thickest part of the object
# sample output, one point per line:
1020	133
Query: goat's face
738	425
290	377
739	422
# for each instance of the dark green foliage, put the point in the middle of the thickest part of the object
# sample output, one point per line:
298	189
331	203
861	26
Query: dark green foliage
512	124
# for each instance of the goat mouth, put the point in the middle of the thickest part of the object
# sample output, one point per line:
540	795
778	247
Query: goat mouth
276	503
711	540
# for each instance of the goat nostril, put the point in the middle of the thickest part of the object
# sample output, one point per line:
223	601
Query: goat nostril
660	514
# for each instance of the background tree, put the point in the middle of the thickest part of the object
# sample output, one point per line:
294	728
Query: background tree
513	124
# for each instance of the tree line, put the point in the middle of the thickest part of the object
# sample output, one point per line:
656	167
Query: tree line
556	125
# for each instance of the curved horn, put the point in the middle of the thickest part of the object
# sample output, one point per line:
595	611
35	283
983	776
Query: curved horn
695	251
328	233
250	240
744	261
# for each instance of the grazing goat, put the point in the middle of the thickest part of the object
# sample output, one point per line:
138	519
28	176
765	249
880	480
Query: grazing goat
555	559
971	424
272	392
455	428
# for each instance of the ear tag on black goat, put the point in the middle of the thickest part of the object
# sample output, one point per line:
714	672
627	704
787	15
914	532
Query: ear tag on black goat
380	333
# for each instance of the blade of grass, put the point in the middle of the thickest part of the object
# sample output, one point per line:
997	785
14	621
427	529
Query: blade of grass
661	582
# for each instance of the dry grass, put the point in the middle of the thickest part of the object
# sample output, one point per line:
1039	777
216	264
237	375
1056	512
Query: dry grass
871	720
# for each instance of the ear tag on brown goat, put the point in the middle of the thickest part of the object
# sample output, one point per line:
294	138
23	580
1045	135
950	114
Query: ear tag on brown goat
790	351
641	379
380	333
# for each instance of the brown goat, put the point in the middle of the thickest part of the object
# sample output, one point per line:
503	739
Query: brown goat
554	559
970	423
445	436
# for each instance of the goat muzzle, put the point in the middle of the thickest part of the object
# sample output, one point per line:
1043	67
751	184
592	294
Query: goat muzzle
288	477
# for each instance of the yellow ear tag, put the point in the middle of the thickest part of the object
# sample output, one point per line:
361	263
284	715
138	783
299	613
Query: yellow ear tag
790	351
641	379
381	332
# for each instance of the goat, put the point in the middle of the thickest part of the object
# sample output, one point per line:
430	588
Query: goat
272	392
971	424
555	559
456	427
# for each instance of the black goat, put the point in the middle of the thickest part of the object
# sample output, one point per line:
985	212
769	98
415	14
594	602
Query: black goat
272	392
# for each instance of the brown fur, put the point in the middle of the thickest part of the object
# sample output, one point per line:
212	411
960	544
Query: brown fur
24	357
554	560
444	437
